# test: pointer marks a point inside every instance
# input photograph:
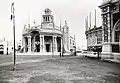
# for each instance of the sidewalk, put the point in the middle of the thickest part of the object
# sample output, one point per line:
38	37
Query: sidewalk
112	60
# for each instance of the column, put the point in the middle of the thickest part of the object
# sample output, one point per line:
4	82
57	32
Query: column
56	49
119	44
109	28
41	43
55	43
34	44
102	29
61	45
29	43
23	44
51	45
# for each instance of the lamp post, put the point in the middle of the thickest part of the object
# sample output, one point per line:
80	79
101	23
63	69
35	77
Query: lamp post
13	19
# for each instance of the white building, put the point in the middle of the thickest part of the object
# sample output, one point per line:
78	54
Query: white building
5	46
46	37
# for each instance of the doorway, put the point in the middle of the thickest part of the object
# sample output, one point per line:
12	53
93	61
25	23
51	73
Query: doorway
38	48
47	47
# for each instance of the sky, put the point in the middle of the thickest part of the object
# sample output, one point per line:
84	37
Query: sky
73	11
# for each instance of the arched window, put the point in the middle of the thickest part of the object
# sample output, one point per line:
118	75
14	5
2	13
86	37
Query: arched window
117	27
117	32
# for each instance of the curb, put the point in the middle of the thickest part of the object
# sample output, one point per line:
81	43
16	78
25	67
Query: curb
111	61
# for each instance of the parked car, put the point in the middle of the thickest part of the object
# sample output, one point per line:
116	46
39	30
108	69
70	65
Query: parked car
79	53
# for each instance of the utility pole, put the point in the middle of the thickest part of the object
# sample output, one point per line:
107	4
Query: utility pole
13	19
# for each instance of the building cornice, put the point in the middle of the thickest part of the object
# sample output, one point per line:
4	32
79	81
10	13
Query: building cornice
93	30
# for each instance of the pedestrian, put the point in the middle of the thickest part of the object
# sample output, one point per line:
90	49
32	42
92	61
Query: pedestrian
60	54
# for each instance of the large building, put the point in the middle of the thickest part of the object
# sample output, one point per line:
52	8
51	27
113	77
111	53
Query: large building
106	38
46	37
94	39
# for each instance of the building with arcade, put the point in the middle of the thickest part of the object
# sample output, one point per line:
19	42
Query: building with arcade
46	37
106	38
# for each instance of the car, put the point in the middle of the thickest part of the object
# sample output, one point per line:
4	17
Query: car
79	53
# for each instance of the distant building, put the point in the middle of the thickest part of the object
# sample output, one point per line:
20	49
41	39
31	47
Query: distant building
94	39
47	37
72	44
5	46
106	38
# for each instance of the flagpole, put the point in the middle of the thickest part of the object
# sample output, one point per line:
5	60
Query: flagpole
85	23
13	18
90	20
95	17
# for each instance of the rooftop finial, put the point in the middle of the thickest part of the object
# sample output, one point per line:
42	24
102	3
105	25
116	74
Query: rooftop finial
34	22
24	26
60	24
65	22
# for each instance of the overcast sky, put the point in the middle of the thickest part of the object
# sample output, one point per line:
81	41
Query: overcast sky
74	11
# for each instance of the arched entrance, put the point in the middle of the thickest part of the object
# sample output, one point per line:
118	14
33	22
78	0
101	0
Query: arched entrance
116	37
48	43
37	43
26	44
116	32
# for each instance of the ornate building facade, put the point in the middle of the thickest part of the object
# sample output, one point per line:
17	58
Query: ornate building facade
46	37
94	39
110	30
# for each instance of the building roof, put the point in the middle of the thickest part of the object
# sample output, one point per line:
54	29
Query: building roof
51	31
44	30
106	2
93	29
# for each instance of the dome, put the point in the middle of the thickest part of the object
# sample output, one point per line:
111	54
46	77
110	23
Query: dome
47	11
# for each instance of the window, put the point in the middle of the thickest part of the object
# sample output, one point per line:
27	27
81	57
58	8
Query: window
46	19
99	37
117	36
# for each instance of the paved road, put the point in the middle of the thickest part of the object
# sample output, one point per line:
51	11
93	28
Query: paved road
9	58
61	70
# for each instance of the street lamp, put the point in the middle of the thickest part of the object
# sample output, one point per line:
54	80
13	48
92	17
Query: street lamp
13	19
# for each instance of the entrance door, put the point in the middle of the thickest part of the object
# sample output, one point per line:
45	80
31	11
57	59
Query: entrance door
38	48
47	47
